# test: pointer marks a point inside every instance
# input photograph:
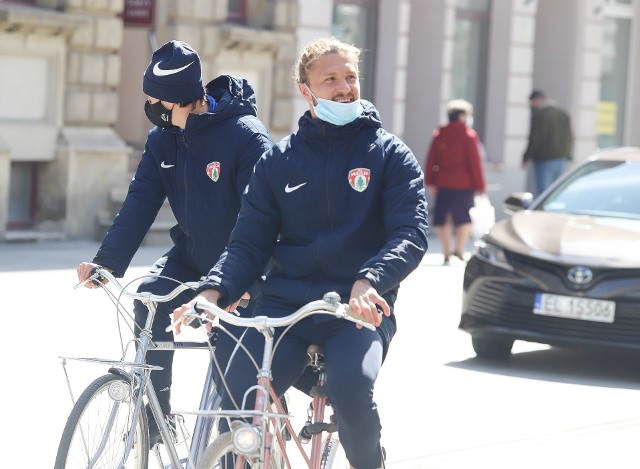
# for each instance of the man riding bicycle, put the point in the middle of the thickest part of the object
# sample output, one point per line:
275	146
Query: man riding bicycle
337	206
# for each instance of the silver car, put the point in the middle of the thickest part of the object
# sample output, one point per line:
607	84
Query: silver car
563	269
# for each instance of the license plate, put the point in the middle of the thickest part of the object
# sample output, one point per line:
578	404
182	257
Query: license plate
585	309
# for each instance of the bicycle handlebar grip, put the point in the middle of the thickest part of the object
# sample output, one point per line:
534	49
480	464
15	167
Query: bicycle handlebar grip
98	281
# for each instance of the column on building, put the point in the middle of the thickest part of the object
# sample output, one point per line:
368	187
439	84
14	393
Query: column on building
5	171
509	83
633	138
313	20
428	52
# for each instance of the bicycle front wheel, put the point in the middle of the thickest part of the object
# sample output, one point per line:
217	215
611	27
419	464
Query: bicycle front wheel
333	455
221	454
97	429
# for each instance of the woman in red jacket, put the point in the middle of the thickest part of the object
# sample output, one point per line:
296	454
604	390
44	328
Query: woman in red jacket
453	175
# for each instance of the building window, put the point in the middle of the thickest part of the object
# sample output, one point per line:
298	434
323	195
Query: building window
237	11
22	195
470	55
616	26
354	22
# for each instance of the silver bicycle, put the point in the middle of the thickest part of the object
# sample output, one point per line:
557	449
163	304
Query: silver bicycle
108	426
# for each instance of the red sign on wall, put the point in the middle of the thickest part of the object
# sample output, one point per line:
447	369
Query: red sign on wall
138	12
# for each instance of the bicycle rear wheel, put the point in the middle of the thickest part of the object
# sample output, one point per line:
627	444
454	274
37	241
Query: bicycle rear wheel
333	455
97	429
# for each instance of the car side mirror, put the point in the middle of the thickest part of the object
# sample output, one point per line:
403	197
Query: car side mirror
517	201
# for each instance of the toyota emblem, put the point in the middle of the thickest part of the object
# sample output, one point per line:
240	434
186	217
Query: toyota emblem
580	275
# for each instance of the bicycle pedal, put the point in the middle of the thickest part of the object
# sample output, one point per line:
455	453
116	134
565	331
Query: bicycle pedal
180	433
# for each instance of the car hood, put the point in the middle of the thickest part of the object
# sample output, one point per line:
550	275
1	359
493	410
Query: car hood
571	239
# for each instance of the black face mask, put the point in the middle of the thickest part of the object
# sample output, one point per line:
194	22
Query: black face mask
158	114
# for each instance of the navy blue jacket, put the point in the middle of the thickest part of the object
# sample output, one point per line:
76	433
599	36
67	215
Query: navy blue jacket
202	171
326	206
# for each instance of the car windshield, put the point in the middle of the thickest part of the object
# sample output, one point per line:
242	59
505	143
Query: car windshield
599	188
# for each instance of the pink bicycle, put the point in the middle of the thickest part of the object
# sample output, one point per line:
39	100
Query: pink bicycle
263	442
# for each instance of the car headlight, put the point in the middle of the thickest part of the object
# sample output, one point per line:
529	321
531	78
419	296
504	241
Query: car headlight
492	254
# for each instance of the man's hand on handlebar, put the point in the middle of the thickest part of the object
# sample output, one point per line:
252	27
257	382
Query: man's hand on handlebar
212	296
86	270
364	299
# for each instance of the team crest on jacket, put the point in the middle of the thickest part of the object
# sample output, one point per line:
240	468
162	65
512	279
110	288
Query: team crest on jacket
359	178
213	170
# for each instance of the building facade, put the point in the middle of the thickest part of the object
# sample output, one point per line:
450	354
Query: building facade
72	123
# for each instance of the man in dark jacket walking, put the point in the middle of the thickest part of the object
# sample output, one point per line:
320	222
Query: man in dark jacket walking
199	156
550	141
339	206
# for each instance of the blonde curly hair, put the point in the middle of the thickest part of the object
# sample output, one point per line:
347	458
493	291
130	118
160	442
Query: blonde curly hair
318	48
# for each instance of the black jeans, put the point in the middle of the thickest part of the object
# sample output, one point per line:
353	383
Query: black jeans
174	268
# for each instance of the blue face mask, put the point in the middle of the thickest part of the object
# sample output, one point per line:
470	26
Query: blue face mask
337	113
470	121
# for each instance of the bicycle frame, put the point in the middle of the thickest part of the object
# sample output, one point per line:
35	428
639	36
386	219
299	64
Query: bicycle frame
319	403
142	384
262	417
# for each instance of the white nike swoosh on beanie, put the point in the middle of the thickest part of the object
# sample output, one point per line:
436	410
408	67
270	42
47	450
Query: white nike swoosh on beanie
157	71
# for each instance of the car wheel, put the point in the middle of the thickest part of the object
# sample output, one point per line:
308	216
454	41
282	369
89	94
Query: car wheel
492	347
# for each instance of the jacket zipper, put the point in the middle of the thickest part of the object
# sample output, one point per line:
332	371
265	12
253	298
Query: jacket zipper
186	192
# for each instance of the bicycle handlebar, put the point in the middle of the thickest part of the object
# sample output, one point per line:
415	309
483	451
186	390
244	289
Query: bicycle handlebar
101	273
330	304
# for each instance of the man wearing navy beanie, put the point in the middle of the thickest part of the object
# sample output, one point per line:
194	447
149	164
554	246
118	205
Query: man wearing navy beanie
199	156
174	74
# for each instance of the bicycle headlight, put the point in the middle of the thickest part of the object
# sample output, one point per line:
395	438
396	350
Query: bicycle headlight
118	390
246	439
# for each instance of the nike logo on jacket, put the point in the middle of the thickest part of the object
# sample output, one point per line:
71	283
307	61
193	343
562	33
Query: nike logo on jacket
288	189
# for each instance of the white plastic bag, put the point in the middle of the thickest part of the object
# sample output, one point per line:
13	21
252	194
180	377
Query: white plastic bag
483	216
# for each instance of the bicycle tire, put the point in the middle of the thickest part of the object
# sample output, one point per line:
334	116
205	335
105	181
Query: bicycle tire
333	455
83	433
222	448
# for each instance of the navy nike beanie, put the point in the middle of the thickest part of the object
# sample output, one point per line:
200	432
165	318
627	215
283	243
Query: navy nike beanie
174	74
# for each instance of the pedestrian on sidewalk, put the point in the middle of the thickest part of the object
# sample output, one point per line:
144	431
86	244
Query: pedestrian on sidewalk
453	176
199	156
550	142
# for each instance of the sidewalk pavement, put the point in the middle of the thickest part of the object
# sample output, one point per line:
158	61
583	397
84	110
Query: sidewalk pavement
65	254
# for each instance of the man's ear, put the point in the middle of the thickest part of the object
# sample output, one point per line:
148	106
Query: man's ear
306	94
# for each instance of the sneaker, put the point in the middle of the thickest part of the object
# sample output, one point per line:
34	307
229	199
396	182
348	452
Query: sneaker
446	260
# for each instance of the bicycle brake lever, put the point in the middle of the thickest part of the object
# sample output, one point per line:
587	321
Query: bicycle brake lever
95	278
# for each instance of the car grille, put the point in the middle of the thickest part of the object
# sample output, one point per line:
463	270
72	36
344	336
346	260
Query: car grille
510	306
549	273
